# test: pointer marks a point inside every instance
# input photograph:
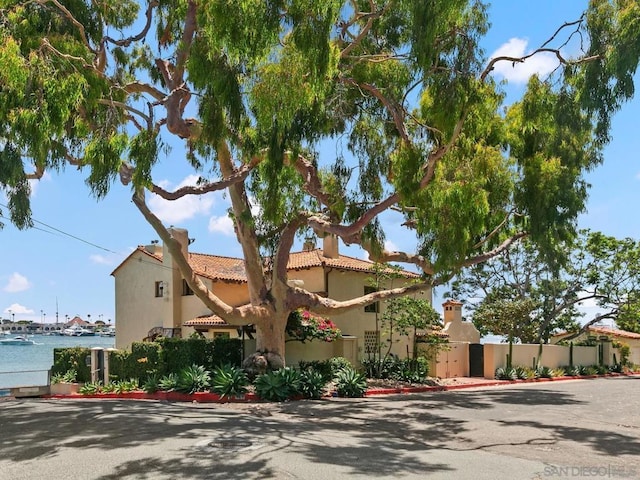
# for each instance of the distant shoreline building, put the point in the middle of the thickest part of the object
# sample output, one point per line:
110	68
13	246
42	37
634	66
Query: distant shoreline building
34	328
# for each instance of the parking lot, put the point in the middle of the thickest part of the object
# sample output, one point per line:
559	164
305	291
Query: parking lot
567	429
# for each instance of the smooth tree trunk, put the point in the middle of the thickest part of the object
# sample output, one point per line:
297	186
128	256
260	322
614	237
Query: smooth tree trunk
270	346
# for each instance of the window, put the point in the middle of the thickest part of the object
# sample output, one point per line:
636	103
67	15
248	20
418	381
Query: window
371	342
221	335
186	289
374	307
159	289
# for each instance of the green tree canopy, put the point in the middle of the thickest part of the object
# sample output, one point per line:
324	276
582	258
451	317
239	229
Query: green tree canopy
249	88
519	295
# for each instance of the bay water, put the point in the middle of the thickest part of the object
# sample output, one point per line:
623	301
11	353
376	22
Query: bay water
28	365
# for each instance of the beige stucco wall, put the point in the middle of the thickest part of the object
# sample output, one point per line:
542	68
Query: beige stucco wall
553	356
634	345
348	285
313	278
137	308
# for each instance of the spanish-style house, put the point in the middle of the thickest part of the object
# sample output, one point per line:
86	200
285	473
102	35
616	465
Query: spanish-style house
152	297
598	332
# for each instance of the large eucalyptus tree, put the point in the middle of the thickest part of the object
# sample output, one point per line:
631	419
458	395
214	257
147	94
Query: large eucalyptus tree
251	87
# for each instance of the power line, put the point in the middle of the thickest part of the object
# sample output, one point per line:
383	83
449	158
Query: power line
58	231
61	232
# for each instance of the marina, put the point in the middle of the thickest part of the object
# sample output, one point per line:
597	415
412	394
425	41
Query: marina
28	365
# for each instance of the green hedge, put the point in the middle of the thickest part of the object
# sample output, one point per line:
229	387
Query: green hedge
75	358
177	354
148	358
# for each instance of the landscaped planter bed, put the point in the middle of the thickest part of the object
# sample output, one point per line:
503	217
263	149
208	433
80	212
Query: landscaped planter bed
206	397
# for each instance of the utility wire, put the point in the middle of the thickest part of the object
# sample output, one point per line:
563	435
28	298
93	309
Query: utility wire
62	232
58	231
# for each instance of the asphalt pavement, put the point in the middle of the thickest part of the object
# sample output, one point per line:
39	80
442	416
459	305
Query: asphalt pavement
569	429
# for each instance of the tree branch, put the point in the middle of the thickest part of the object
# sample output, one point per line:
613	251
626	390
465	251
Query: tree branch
73	20
237	176
596	319
327	306
125	42
396	111
233	315
496	251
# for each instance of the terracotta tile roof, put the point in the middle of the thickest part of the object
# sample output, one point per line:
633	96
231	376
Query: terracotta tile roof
315	258
206	321
614	332
217	267
231	269
605	331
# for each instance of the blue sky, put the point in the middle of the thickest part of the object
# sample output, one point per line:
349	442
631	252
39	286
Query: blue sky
42	266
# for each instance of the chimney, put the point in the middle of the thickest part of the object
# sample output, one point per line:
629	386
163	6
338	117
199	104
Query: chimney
330	246
309	244
452	311
153	248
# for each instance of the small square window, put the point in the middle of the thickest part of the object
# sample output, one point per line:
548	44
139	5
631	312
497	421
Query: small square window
159	289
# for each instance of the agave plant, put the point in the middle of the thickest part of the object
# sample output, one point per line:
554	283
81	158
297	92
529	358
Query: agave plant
109	387
152	383
350	383
312	384
506	373
524	373
271	387
194	378
228	380
572	370
91	388
543	372
168	383
278	385
124	386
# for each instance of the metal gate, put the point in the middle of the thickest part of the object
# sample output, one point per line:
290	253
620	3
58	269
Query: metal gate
476	360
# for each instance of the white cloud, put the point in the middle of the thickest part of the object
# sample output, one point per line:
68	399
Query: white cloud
588	303
17	283
17	309
389	245
176	211
222	224
542	63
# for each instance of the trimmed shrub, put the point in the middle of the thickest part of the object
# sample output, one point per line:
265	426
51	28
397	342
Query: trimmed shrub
177	354
75	358
327	368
